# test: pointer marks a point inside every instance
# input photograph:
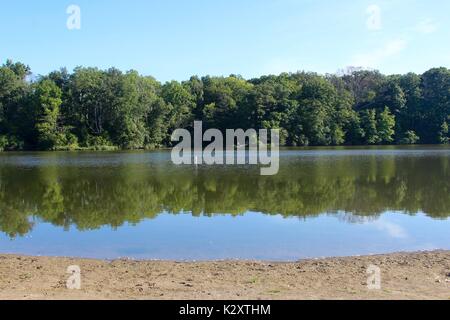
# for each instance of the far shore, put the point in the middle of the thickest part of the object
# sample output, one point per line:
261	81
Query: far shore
107	148
420	275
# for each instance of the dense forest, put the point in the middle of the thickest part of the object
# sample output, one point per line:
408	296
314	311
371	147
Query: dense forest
108	109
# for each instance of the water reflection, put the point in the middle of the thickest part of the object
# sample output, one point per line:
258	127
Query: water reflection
93	190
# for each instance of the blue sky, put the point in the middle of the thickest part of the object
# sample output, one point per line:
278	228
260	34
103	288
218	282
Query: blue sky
174	39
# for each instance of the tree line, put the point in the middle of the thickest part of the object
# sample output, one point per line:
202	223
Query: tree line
109	109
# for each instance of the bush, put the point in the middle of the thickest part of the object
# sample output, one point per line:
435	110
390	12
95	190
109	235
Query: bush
67	141
444	137
409	137
11	143
3	143
97	141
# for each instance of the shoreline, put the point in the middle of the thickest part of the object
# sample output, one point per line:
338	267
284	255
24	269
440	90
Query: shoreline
285	147
419	275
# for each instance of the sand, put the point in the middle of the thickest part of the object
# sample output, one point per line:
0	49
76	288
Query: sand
422	275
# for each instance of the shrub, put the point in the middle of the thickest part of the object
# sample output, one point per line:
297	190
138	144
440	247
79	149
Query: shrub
409	137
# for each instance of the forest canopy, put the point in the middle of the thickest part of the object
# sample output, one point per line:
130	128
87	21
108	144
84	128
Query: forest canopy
109	109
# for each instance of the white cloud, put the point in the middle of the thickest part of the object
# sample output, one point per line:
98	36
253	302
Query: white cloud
375	58
373	21
392	229
426	26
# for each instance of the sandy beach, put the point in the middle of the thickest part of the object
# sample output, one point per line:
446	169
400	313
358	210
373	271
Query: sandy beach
422	275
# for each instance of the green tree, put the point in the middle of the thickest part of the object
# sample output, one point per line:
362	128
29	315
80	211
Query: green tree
180	104
410	137
134	99
224	100
444	136
385	126
94	97
435	102
14	90
47	100
369	126
195	86
411	116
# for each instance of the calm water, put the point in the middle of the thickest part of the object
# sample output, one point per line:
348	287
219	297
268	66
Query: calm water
323	202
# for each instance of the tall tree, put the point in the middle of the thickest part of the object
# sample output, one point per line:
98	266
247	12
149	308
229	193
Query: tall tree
369	126
13	94
435	102
386	125
47	100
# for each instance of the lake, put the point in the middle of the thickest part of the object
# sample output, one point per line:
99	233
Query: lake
323	202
